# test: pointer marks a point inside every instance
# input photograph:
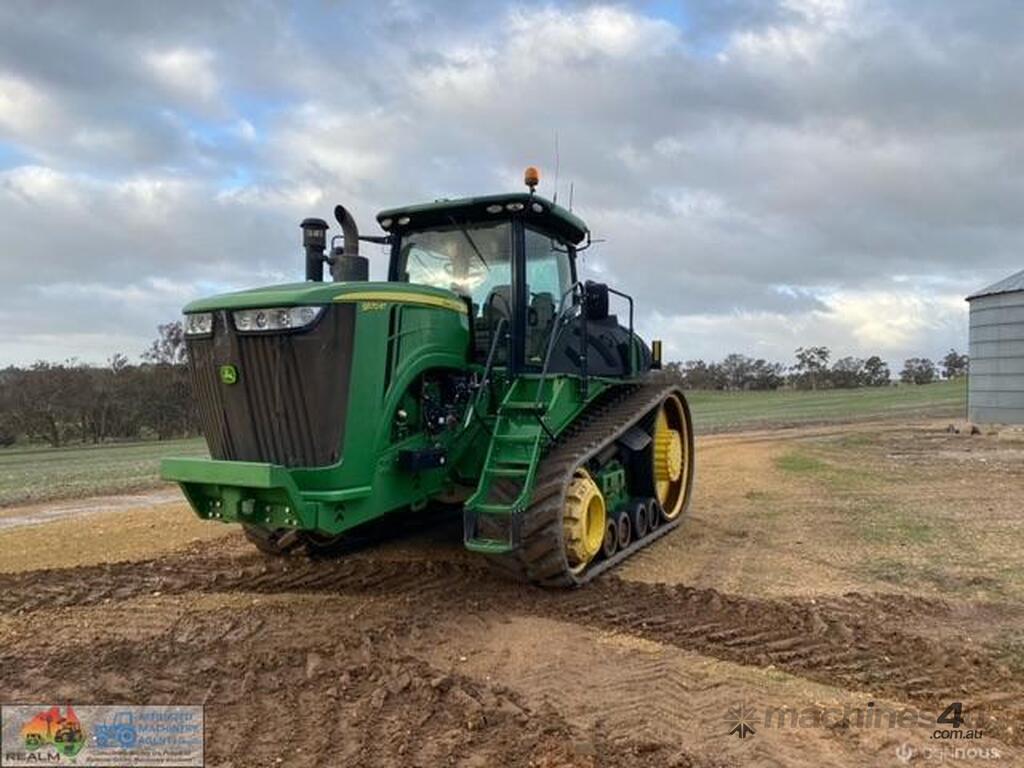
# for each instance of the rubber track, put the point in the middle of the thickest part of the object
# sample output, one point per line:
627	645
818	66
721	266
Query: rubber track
541	556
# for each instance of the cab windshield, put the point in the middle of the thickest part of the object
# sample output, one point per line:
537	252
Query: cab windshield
474	260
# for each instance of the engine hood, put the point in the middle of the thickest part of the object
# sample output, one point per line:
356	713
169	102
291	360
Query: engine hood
297	294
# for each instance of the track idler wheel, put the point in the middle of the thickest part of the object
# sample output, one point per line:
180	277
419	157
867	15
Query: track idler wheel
583	521
638	511
672	456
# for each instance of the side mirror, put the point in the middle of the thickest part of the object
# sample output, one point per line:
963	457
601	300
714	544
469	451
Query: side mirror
595	300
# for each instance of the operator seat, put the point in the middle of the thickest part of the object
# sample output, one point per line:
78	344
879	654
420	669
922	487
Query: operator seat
496	307
540	319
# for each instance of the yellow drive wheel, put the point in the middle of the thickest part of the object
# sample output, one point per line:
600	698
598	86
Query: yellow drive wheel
671	456
583	520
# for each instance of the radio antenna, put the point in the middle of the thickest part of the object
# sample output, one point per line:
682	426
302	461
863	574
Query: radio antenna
557	162
572	186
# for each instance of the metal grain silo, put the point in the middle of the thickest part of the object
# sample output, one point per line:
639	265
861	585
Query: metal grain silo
996	387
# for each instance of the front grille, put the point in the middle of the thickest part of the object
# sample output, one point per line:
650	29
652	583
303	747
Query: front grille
288	405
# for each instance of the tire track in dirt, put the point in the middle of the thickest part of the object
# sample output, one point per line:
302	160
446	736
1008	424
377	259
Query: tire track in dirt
856	641
364	697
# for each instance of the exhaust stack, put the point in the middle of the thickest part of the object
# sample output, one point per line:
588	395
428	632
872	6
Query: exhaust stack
346	263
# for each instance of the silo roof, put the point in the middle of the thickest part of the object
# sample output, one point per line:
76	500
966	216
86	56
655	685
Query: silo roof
1014	282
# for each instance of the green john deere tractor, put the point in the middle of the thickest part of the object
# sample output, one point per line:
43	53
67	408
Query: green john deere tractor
483	372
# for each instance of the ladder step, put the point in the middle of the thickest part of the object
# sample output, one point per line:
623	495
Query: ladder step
518	462
508	471
520	439
499	509
524	406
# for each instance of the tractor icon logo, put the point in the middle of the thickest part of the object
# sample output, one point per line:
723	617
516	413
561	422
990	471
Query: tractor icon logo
118	733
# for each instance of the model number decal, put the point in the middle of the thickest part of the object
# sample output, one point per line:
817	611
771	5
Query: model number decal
373	306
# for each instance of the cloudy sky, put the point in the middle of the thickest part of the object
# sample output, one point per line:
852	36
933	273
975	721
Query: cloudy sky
764	174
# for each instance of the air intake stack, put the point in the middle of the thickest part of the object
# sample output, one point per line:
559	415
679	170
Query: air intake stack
314	240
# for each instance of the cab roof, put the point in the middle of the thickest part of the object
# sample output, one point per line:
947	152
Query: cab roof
533	208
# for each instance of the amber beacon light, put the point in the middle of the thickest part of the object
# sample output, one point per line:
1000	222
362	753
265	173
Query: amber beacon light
531	177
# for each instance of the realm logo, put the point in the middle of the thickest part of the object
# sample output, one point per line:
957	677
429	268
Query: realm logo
50	729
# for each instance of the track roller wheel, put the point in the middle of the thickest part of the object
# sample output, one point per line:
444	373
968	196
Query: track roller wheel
653	514
625	530
276	541
638	511
610	545
583	520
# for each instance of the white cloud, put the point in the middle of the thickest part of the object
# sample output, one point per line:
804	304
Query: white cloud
186	72
800	41
25	109
551	35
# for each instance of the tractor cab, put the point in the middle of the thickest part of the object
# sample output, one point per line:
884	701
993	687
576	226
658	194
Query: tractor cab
512	259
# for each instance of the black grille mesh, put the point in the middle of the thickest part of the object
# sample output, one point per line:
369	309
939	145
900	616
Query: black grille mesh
288	405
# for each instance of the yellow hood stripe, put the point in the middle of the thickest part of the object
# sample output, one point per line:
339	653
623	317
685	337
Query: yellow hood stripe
406	297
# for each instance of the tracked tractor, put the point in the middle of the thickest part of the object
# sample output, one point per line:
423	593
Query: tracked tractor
484	372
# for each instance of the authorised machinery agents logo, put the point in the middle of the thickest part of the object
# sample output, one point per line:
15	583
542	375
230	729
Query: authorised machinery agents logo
165	736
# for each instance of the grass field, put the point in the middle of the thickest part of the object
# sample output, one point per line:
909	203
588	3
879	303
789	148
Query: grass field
37	474
723	411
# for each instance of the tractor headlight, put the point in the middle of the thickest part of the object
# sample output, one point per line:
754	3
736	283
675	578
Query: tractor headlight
199	324
276	318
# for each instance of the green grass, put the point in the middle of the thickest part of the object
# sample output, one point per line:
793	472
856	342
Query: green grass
722	411
941	576
800	463
40	474
893	527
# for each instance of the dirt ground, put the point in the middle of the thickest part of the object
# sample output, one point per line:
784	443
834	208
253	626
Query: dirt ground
834	588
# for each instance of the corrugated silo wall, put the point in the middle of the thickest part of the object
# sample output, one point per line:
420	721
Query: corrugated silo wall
996	388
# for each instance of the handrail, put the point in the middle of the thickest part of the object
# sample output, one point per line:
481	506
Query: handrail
632	341
556	331
488	366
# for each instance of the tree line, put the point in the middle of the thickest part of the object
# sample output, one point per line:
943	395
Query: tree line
813	369
71	402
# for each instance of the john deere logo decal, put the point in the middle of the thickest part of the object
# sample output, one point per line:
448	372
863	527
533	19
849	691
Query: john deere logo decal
228	374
